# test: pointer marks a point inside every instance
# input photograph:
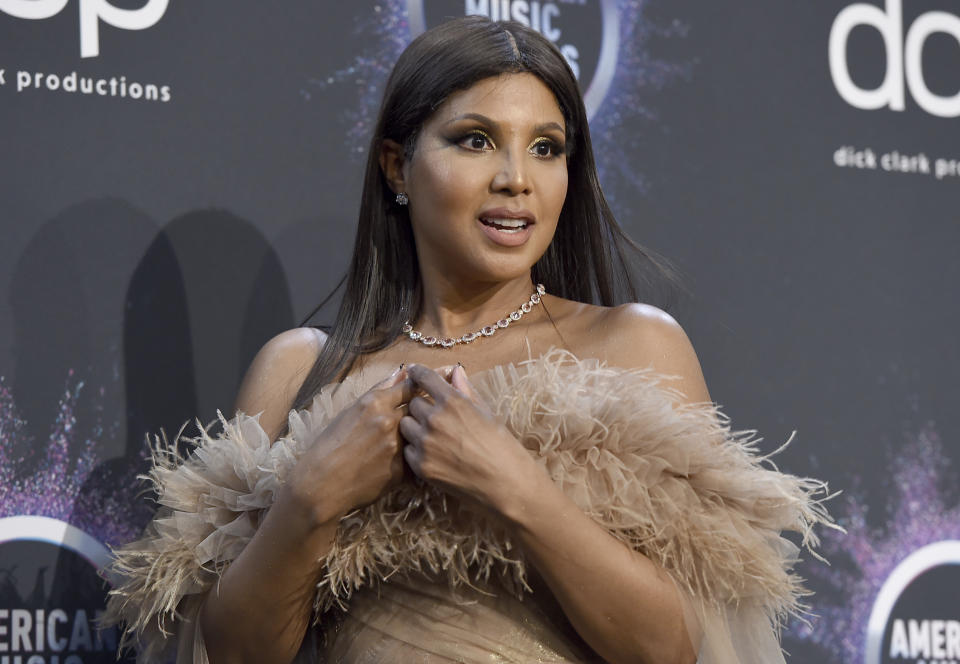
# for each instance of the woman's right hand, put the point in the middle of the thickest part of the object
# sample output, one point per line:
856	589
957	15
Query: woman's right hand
356	458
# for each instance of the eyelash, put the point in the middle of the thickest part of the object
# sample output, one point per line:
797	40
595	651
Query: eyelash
555	148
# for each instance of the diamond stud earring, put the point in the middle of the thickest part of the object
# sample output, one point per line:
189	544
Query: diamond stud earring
402	198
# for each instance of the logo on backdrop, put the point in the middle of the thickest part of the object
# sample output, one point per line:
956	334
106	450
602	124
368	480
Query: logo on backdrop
51	594
92	12
904	50
915	617
587	32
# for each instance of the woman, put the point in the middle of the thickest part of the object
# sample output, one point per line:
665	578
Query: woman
565	502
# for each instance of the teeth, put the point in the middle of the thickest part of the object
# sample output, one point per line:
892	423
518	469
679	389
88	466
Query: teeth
508	223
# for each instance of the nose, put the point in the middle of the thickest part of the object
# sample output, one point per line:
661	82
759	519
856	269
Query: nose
511	177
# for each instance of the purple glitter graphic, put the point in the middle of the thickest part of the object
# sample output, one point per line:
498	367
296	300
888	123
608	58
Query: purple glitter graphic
386	32
918	515
60	484
638	77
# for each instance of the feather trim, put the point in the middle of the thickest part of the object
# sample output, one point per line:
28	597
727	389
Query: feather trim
669	479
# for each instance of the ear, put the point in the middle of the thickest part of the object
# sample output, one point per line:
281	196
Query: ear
391	163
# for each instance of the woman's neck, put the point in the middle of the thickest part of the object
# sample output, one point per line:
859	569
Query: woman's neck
452	309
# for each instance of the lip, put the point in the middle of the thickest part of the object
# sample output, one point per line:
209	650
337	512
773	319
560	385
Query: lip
505	238
507	213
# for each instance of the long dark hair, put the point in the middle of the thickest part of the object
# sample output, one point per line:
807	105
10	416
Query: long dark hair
587	260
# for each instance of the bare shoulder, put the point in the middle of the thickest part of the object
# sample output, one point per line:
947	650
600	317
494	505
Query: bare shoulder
276	374
641	335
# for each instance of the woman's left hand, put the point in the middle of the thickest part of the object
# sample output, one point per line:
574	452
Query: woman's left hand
457	442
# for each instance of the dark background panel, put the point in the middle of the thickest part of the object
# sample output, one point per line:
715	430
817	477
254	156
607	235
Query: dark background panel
149	248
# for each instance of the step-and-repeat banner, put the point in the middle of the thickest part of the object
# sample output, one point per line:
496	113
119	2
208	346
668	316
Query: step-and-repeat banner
179	181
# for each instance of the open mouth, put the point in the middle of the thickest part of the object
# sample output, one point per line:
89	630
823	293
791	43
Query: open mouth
506	225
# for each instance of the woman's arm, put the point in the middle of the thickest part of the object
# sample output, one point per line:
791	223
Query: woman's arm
261	608
622	603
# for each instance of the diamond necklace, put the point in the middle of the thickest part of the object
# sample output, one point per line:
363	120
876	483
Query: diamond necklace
448	342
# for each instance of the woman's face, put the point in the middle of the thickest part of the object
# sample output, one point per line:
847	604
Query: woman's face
488	179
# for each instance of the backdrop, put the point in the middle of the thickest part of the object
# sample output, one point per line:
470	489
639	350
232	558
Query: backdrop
179	181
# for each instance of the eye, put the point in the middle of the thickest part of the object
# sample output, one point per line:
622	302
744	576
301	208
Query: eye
546	148
476	140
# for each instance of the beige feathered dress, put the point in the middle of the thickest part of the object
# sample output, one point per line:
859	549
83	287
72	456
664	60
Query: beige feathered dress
419	577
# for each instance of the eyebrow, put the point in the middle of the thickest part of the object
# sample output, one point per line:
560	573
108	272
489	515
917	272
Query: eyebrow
540	128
